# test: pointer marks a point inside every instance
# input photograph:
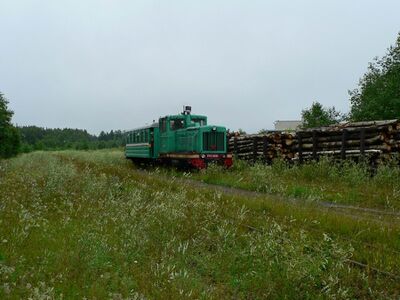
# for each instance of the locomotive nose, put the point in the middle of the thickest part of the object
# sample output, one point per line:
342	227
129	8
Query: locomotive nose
213	140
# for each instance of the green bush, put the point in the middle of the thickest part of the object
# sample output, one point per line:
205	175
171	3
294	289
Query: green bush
9	135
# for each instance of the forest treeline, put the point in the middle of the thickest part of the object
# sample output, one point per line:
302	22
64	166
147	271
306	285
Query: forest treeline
14	139
38	138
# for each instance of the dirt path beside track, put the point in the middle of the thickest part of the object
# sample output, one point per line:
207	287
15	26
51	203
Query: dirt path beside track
384	216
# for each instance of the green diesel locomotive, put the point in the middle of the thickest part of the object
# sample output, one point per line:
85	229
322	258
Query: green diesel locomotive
182	139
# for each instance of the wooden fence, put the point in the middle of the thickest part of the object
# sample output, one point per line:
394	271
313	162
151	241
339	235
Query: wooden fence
377	140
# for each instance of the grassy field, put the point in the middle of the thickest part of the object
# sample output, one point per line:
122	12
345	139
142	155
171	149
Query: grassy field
88	224
322	181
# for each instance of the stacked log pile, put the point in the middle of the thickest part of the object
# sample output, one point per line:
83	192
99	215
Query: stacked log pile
377	140
267	146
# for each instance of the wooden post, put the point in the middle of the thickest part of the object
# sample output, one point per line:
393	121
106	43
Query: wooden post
315	144
235	146
344	139
265	148
254	149
300	145
362	142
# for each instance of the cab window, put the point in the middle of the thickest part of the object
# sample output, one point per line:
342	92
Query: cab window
177	124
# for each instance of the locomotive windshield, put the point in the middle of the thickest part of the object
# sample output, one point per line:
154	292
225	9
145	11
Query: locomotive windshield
199	121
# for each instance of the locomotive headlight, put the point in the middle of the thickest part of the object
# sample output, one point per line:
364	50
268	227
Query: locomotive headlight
214	128
202	156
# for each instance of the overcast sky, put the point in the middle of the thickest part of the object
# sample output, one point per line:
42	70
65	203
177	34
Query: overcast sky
102	65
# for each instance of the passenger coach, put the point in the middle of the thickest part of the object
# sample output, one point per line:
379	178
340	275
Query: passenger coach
180	139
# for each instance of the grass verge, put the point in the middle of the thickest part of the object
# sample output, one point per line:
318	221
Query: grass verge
87	224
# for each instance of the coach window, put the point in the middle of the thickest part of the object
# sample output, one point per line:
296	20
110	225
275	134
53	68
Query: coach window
163	124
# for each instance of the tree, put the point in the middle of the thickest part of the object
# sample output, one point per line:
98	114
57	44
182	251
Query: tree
241	131
102	136
317	116
9	135
378	94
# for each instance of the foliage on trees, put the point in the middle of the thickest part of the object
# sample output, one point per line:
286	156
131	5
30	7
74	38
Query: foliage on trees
318	115
378	94
9	137
38	138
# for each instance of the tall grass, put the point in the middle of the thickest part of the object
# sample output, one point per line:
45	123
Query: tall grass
87	224
348	183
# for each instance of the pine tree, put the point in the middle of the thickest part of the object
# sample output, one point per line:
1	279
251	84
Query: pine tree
317	116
